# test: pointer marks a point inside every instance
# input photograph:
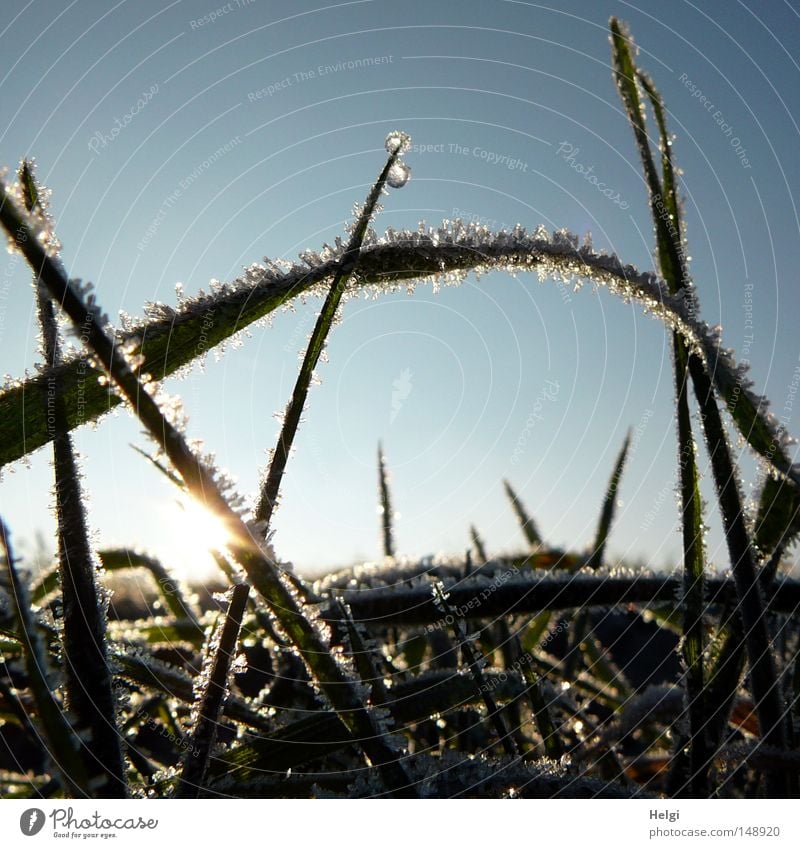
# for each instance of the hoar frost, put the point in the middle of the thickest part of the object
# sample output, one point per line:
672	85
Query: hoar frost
398	142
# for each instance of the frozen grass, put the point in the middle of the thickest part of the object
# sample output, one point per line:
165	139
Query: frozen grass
548	674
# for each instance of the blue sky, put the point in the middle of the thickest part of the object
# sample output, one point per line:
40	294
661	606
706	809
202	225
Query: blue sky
123	105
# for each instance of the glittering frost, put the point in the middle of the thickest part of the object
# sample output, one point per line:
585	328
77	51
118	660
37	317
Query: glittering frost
398	142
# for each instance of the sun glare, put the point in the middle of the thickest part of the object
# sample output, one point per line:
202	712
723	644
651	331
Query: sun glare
197	532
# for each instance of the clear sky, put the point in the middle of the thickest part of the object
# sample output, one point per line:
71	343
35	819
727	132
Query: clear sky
125	104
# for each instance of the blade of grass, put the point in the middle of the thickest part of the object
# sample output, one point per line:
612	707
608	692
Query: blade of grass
294	409
665	211
385	505
118	559
204	732
764	681
763	674
598	551
533	592
526	523
474	664
63	742
609	507
168	340
88	678
478	544
338	683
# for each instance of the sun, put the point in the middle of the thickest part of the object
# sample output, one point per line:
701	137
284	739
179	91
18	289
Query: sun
196	532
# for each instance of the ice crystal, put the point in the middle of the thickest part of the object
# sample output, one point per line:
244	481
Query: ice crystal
398	142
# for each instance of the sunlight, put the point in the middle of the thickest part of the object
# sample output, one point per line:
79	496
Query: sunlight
198	532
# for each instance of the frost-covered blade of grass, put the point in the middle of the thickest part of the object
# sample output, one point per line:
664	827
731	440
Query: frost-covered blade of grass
62	740
215	687
309	637
396	144
534	591
169	338
665	210
88	678
526	523
385	505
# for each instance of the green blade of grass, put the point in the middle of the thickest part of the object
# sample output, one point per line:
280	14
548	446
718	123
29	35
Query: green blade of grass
609	507
62	740
763	674
665	211
532	592
118	559
294	409
598	552
385	505
478	545
168	343
526	523
88	677
339	683
474	663
778	518
204	731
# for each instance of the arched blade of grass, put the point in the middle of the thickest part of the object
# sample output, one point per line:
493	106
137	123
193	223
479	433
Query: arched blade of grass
168	339
88	678
62	740
120	559
337	681
385	505
216	686
665	211
396	144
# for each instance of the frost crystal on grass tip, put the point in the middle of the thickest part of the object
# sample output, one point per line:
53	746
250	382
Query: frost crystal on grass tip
398	142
